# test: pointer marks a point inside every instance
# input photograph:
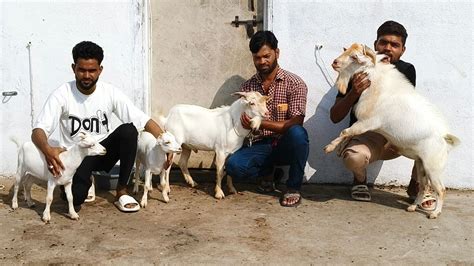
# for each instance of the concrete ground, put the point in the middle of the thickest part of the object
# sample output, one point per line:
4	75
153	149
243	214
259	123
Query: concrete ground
194	228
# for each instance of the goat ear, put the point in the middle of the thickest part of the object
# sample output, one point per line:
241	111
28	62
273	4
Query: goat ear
159	140
82	135
239	93
370	53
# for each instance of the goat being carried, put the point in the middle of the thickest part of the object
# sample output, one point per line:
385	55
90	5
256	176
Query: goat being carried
32	164
219	130
391	107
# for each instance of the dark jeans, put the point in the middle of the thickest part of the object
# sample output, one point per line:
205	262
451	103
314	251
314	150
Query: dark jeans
121	145
258	160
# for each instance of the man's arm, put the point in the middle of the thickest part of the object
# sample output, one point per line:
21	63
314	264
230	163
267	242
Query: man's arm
152	127
343	105
38	136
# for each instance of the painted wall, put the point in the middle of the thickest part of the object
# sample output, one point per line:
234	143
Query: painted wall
439	44
53	28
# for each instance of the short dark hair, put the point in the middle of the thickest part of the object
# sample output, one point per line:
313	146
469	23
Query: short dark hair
261	38
87	50
391	27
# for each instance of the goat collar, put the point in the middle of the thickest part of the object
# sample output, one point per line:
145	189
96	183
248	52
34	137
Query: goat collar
249	135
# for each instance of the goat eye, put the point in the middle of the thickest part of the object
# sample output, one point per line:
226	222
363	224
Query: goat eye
252	103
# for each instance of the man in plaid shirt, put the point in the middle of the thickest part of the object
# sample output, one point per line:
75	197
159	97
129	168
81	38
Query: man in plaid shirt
281	139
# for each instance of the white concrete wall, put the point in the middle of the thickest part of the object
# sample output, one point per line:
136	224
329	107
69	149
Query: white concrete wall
439	44
53	28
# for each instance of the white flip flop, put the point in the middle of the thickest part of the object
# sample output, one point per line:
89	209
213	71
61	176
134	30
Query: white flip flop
124	200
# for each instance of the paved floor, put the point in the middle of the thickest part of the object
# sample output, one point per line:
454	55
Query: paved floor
194	228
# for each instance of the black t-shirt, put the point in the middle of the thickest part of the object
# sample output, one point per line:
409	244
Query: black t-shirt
405	68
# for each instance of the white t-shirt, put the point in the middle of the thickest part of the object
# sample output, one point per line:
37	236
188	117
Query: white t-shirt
76	112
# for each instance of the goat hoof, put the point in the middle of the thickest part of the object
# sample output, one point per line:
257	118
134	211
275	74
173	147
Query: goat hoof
143	203
219	195
411	208
432	216
232	190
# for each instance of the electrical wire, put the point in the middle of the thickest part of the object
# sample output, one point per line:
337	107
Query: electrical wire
323	68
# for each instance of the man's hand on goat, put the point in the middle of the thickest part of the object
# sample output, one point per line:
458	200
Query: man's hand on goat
55	165
360	82
245	120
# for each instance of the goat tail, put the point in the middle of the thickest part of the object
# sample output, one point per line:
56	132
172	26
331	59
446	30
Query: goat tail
452	140
15	140
161	121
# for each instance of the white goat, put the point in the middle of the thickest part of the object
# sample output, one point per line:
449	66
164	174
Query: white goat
392	107
219	130
151	152
32	163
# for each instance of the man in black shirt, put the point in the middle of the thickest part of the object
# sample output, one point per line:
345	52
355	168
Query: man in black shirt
370	146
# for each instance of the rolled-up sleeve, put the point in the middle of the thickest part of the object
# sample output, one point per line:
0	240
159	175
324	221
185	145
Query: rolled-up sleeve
297	99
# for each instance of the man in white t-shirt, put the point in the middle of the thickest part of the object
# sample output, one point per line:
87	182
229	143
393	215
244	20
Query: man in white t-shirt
87	104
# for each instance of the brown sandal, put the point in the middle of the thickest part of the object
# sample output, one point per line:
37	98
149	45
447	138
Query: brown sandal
288	195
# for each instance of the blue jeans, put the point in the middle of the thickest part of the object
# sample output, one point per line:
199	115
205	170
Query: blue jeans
258	160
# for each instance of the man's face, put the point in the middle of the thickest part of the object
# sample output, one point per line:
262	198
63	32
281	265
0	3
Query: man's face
265	60
87	72
390	45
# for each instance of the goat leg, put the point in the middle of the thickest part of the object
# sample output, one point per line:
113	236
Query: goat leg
68	189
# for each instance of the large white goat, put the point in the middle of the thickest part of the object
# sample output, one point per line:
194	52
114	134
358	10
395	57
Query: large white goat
151	153
32	164
219	130
392	107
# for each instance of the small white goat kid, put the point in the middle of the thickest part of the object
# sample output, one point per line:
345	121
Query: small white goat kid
151	152
219	130
392	107
32	164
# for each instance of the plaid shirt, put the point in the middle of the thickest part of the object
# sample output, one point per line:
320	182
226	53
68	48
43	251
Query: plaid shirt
288	94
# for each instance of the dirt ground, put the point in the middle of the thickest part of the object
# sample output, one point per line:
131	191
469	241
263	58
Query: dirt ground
195	228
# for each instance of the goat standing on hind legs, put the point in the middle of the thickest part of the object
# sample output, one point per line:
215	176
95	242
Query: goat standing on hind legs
422	135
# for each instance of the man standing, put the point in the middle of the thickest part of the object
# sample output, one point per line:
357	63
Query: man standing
87	104
281	139
370	146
